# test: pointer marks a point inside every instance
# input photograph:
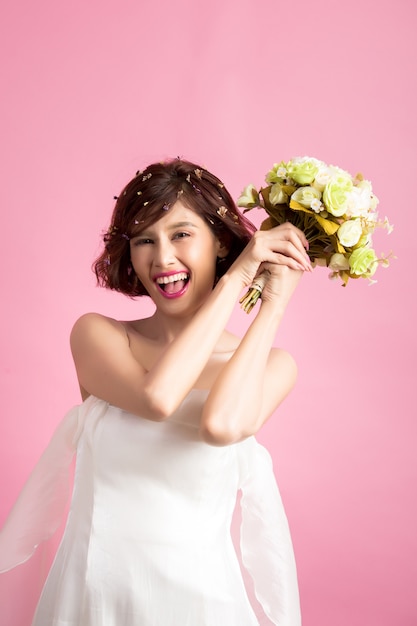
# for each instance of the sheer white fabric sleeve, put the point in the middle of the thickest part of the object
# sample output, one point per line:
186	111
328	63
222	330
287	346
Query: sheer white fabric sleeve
39	509
265	540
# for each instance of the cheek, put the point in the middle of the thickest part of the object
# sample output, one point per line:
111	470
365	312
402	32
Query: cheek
138	260
205	258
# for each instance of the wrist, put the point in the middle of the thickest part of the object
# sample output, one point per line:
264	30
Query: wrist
275	307
231	280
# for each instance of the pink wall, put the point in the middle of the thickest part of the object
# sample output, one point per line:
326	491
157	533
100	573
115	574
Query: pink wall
94	90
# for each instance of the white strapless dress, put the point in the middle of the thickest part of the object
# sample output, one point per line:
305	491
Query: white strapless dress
147	540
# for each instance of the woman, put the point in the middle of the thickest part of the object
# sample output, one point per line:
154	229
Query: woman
147	542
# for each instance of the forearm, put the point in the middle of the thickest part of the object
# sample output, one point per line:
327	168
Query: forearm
168	383
235	406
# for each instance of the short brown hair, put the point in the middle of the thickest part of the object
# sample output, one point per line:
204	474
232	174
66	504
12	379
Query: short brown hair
143	201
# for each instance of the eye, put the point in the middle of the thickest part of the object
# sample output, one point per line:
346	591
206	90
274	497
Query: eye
142	241
181	235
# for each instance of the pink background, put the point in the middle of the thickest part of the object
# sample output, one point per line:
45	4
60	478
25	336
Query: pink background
94	90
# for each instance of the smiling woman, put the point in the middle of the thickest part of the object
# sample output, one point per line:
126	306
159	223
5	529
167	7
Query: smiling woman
147	197
176	256
148	536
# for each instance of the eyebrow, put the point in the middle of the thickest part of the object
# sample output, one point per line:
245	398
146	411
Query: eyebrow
183	224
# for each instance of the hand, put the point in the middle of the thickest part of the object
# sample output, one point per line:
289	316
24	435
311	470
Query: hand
283	245
281	284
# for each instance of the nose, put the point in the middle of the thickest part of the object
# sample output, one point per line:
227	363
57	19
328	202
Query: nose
164	254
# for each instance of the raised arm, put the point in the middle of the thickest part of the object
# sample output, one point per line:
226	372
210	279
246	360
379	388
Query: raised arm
106	365
258	377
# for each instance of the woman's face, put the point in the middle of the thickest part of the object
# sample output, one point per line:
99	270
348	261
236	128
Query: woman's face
175	259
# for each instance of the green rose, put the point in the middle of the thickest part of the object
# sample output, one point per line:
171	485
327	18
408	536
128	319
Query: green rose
349	233
305	196
277	195
363	262
336	195
303	170
249	197
277	173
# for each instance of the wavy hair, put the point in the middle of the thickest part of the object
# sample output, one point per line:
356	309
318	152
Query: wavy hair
143	201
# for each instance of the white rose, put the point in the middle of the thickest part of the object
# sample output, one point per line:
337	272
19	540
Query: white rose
305	196
322	178
349	233
337	172
360	199
249	197
277	195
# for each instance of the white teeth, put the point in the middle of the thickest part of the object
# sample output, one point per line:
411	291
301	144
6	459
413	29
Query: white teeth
164	280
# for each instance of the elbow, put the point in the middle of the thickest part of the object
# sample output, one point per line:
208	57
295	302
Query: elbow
222	435
160	405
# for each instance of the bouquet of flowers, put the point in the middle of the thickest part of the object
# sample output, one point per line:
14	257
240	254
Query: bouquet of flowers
336	212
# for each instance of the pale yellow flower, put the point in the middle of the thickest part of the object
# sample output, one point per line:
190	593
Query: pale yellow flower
349	233
305	196
322	178
339	262
249	197
277	195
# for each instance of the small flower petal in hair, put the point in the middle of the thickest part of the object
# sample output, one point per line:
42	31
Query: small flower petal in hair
198	173
125	236
188	179
166	207
222	210
138	193
147	176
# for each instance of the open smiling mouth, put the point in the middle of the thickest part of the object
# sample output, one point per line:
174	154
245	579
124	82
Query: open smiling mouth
174	284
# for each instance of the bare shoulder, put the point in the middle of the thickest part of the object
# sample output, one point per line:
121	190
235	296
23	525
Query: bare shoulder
93	331
105	365
91	323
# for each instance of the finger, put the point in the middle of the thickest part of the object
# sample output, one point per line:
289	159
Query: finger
279	259
284	251
293	233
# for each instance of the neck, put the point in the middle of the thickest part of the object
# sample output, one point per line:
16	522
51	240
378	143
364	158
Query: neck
164	329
